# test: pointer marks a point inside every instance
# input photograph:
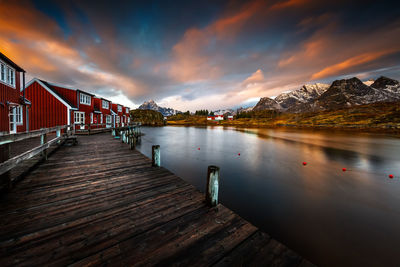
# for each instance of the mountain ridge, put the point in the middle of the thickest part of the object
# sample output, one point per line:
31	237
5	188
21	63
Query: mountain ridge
152	105
341	93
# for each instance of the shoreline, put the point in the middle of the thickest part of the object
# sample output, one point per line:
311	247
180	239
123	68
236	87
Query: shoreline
358	128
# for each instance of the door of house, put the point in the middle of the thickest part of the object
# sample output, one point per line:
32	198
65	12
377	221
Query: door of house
13	120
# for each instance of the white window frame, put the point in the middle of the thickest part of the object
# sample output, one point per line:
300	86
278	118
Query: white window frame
101	118
85	99
108	119
117	119
79	117
91	118
119	108
12	120
7	74
3	72
105	104
19	119
126	110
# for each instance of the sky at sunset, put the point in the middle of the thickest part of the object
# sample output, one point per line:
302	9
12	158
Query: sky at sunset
192	55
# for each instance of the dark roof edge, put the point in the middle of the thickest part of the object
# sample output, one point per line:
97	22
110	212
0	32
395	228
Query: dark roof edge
11	63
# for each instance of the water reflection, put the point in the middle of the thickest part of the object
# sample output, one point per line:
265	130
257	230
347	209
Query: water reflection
329	216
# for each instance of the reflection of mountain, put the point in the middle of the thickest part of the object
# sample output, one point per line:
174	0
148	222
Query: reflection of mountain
151	105
340	94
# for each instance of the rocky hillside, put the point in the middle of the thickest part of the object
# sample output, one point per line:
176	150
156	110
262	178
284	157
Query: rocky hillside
341	94
296	100
151	105
353	92
267	103
147	117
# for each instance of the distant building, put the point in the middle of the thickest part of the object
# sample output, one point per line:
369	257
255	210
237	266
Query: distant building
102	110
126	118
230	118
118	115
215	118
219	117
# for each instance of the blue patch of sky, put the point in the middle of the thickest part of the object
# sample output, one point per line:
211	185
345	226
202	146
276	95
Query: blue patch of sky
154	28
54	11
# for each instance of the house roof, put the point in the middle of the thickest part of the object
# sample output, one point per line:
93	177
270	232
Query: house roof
79	90
10	62
55	92
102	98
70	88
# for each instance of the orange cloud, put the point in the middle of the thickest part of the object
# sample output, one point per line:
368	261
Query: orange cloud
192	60
339	68
256	77
36	43
289	3
229	26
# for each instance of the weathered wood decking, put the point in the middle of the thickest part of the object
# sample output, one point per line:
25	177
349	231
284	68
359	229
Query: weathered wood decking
101	203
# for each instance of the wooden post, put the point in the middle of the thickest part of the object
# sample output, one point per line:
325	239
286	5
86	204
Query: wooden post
4	156
58	134
132	141
43	140
212	186
156	160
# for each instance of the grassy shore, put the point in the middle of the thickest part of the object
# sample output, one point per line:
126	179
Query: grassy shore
375	117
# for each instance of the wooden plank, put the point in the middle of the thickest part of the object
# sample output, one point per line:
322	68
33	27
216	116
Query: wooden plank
261	250
101	203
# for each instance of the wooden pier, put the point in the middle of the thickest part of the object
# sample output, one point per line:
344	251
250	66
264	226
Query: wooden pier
100	203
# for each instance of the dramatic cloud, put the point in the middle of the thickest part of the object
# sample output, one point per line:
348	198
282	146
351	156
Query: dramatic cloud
204	54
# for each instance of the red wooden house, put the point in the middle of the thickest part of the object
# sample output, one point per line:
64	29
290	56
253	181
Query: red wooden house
117	110
13	106
126	116
54	105
102	110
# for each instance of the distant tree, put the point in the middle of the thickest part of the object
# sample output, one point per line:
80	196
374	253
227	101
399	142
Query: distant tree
212	113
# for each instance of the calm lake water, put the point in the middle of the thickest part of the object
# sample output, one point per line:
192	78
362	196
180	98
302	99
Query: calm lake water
331	217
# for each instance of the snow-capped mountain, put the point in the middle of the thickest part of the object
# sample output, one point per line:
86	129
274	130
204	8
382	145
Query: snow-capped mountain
267	103
151	105
224	111
369	82
340	94
242	109
294	100
353	92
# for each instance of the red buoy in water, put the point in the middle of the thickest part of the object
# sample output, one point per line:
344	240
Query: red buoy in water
238	154
344	169
198	148
304	163
391	176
